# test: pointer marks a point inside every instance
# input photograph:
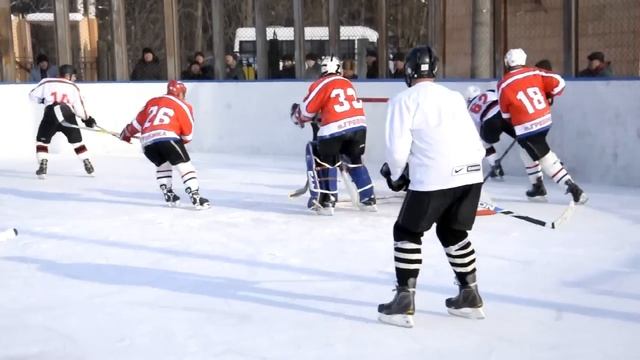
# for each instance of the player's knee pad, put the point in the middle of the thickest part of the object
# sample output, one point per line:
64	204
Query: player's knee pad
401	233
552	167
360	176
189	176
164	174
450	237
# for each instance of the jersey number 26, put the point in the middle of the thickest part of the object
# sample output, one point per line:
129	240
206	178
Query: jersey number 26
158	116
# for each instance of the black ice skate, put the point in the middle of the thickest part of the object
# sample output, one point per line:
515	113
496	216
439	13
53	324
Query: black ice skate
324	207
579	197
88	167
537	192
170	197
42	169
369	204
401	309
468	303
198	201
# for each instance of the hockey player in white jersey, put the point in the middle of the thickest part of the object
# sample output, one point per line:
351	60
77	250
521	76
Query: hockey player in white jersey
63	103
484	109
428	130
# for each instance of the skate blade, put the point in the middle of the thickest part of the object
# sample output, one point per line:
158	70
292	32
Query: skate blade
202	207
42	177
368	208
469	313
173	204
325	211
539	199
401	320
583	199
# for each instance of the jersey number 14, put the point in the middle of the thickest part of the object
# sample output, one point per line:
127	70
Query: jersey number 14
532	100
158	116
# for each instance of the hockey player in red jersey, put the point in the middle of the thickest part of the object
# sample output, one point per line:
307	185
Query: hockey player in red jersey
342	132
524	94
166	124
63	102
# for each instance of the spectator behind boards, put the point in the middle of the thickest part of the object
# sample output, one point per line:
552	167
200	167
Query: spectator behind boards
43	69
597	67
148	67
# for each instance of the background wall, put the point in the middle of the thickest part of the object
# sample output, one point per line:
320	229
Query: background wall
596	130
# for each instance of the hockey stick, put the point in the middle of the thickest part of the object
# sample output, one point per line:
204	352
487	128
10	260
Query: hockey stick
566	214
97	129
500	159
301	191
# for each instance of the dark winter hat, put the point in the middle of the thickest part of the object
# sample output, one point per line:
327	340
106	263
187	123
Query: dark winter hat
287	57
41	58
147	51
398	57
311	56
372	53
596	55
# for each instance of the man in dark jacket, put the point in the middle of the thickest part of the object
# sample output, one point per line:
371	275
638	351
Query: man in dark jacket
597	66
147	68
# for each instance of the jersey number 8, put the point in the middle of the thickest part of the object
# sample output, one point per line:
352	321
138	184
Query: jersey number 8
158	117
345	105
534	97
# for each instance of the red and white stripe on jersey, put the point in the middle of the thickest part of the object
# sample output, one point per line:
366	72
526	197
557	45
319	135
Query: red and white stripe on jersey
483	107
523	94
59	90
335	99
163	118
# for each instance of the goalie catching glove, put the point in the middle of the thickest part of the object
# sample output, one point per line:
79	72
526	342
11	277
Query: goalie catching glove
401	184
90	122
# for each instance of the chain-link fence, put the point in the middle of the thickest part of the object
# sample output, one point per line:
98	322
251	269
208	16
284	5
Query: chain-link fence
469	36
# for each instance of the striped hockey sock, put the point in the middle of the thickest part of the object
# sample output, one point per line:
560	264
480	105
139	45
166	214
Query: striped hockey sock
408	260
462	258
554	168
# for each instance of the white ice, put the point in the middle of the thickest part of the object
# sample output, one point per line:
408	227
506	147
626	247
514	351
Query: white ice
102	269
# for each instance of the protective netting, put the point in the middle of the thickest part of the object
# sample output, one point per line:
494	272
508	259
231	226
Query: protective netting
538	26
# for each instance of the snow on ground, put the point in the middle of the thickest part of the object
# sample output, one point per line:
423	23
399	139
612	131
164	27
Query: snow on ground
103	270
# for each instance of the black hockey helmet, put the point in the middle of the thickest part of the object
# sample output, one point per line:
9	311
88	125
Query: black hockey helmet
66	69
421	62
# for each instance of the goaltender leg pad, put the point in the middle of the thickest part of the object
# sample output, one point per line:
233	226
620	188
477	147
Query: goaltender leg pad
328	180
312	175
360	176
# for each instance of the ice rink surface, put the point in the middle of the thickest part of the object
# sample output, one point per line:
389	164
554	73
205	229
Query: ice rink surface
103	270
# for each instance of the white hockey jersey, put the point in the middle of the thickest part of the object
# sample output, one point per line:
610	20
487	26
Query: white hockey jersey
58	90
483	107
429	128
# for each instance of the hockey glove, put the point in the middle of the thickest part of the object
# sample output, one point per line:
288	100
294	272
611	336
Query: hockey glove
90	122
127	133
295	115
496	170
401	184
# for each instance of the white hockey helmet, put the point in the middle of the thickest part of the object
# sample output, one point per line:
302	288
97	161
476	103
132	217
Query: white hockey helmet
515	57
330	65
471	92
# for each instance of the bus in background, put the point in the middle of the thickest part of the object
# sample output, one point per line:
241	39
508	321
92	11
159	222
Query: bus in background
316	40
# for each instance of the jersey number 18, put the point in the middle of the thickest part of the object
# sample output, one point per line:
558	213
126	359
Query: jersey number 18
534	101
